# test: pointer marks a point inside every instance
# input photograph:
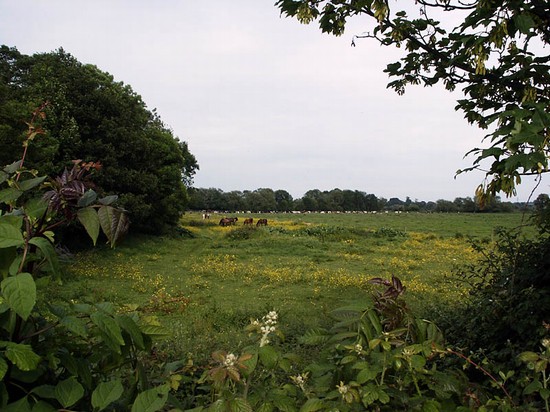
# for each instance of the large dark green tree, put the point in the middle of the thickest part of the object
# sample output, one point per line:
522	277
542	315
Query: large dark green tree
284	201
90	116
496	51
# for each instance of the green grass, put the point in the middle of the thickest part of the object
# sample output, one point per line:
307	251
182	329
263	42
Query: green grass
208	283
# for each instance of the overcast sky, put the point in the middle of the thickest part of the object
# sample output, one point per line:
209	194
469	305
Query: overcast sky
263	101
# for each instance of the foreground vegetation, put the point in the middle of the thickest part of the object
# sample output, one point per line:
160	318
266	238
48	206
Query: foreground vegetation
208	283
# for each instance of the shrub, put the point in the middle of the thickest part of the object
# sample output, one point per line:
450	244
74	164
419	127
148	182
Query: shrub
241	233
60	355
390	233
510	298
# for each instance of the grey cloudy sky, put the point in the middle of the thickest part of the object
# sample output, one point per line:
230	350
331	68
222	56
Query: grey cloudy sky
262	100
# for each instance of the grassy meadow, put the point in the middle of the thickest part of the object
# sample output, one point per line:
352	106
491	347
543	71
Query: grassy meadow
206	284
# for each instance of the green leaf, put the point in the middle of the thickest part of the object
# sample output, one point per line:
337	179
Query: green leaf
89	219
12	168
374	343
108	200
114	223
110	329
30	183
3	368
20	293
375	321
69	362
348	359
10	236
418	362
283	403
132	328
22	405
268	356
268	407
218	406
106	307
75	325
314	337
431	406
528	357
366	375
239	405
534	386
87	198
84	308
313	404
69	392
524	22
250	365
383	397
10	195
151	326
48	251
36	208
15	220
106	393
151	400
22	356
370	394
7	255
42	406
44	391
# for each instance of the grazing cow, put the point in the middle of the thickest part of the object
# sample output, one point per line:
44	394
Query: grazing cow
248	221
261	222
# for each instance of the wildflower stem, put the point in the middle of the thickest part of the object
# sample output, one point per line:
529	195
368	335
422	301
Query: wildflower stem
246	387
485	371
414	380
383	370
545	386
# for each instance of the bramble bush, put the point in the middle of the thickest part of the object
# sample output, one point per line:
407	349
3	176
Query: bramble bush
63	355
509	305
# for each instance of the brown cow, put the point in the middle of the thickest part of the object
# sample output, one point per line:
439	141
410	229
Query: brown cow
261	222
248	221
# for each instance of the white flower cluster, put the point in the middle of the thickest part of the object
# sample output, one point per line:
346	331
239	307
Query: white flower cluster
359	349
270	318
300	380
230	360
266	326
342	388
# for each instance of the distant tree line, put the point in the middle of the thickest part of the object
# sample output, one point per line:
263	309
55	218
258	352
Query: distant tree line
336	200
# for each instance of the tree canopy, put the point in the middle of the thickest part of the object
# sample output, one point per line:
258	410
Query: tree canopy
92	117
497	55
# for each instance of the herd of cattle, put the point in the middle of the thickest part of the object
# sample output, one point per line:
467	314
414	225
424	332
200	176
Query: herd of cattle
230	221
